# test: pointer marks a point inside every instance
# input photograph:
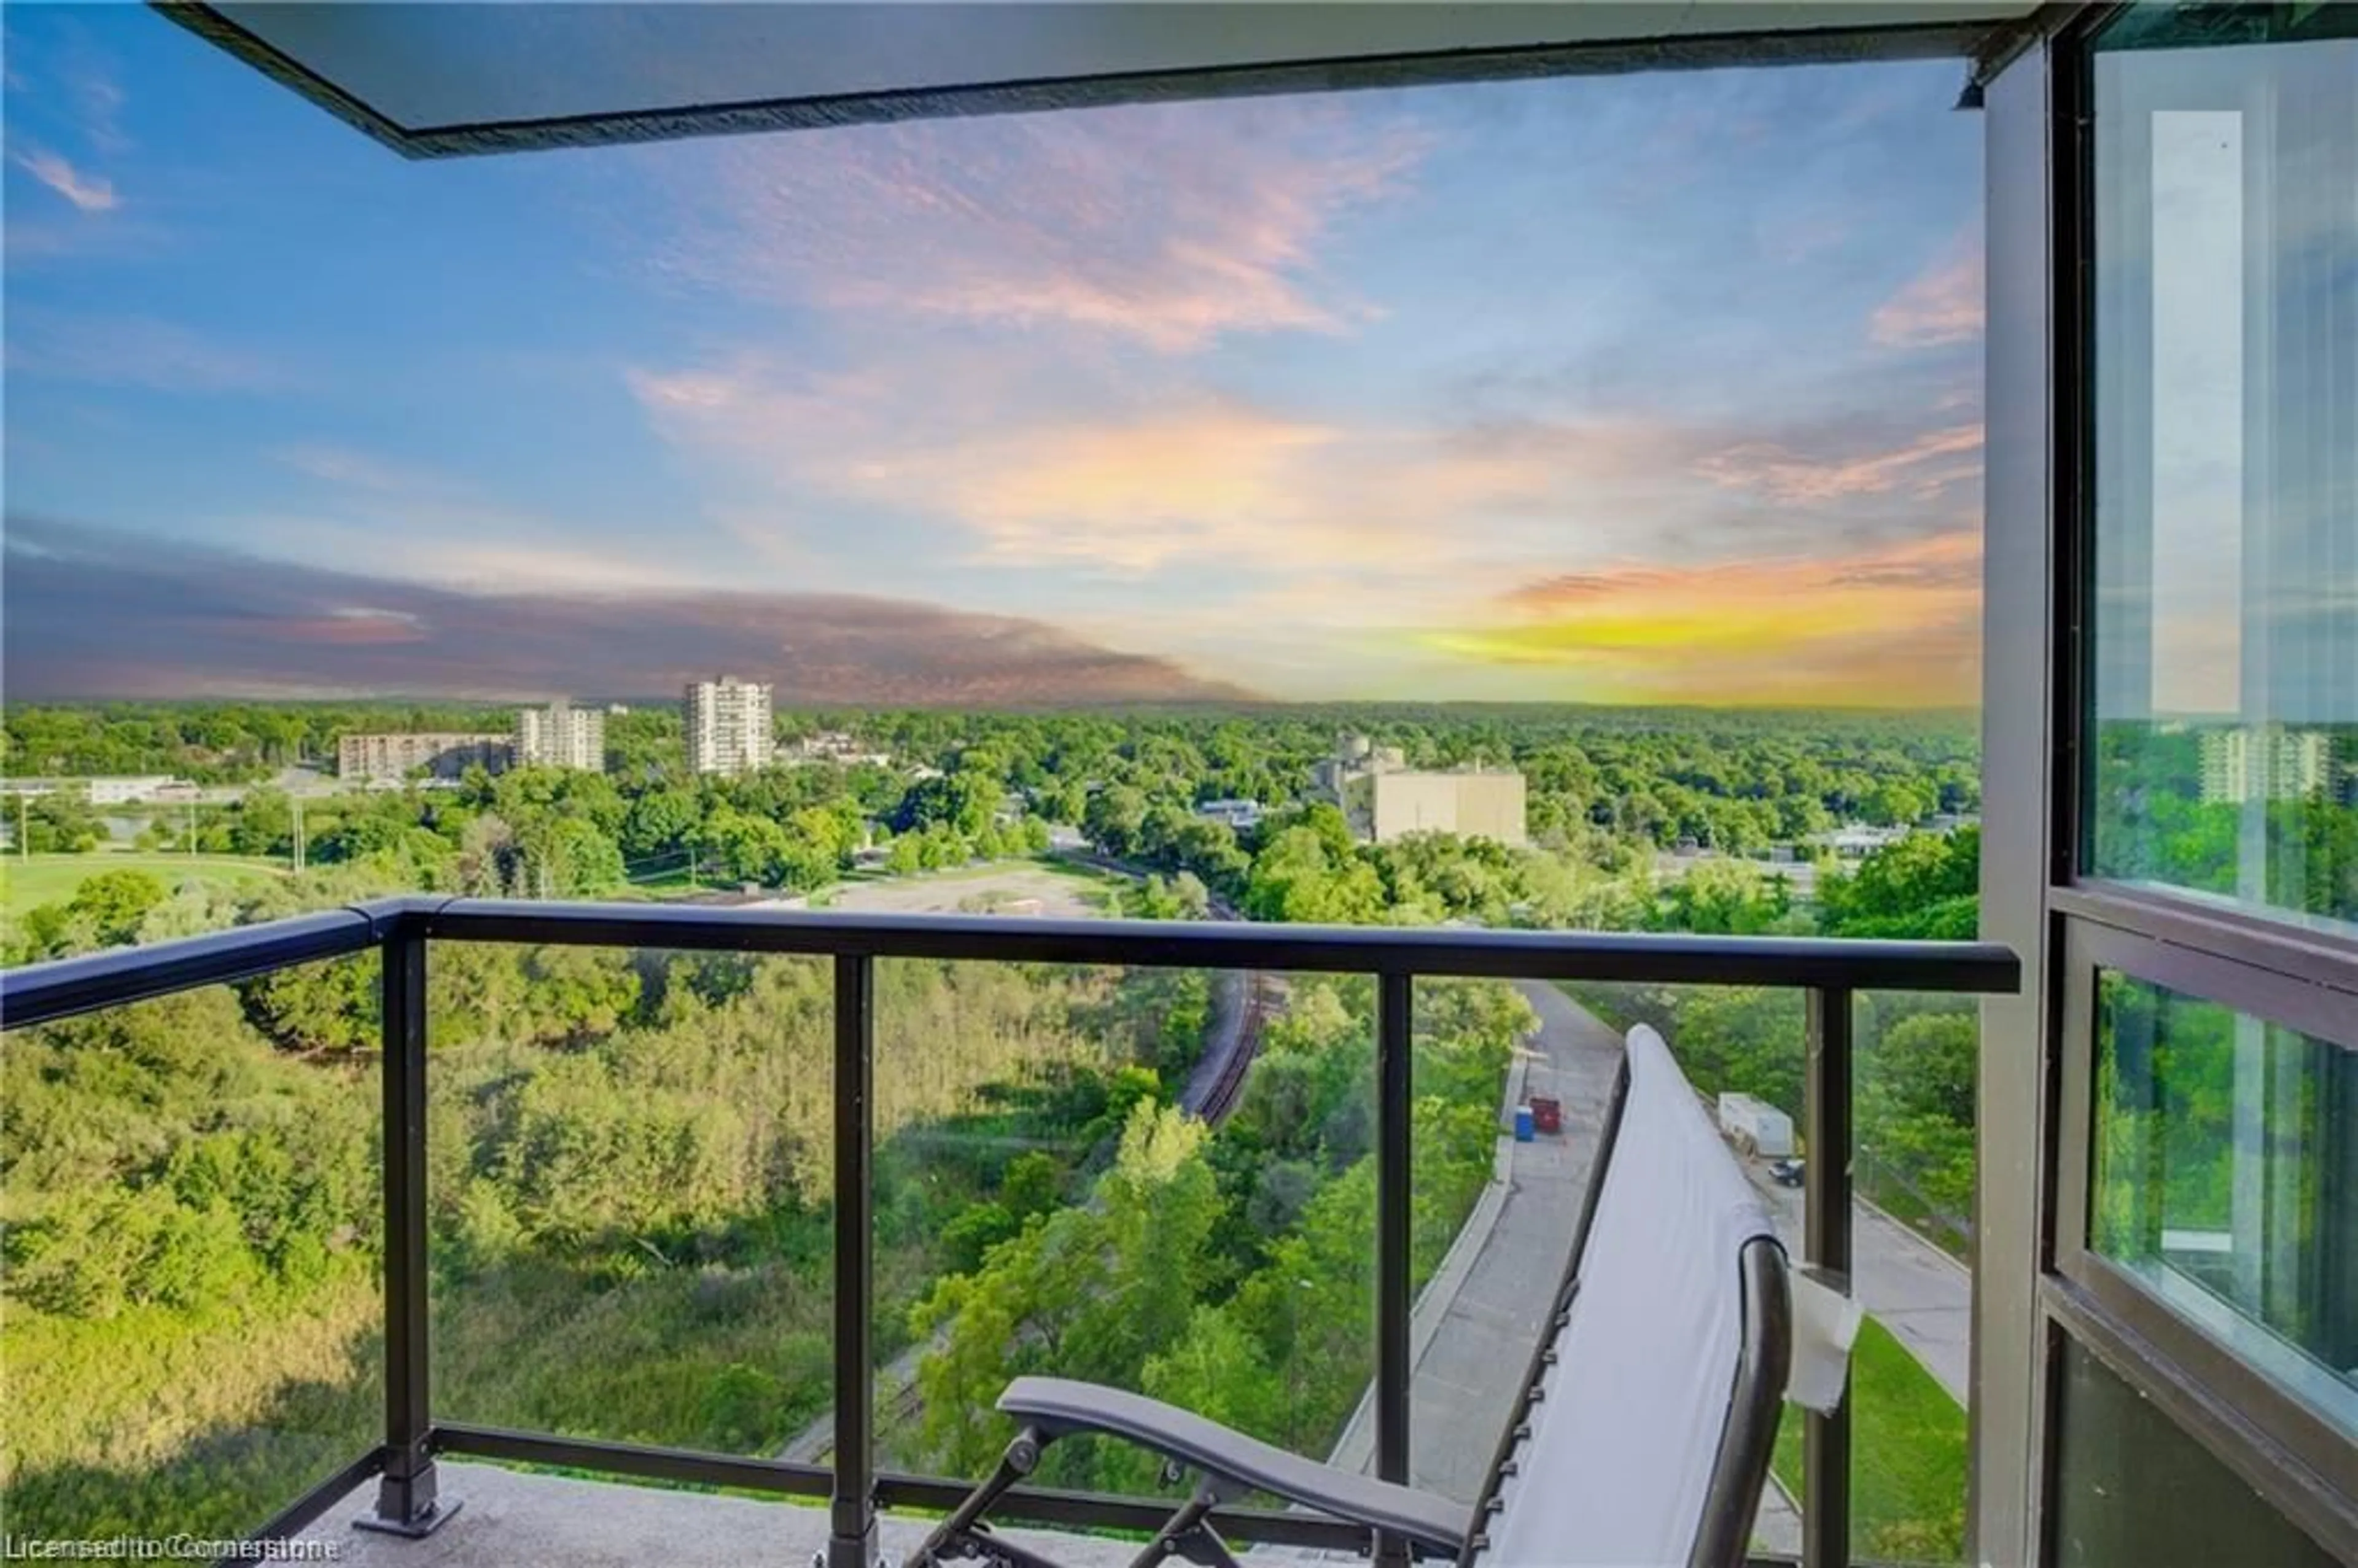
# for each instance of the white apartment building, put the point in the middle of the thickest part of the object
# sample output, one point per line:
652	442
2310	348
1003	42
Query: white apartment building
561	736
441	754
2264	762
728	724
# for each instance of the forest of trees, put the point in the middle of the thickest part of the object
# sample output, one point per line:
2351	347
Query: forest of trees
1608	788
630	1209
630	1177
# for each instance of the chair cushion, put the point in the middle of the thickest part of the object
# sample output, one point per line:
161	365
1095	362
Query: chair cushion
1620	1457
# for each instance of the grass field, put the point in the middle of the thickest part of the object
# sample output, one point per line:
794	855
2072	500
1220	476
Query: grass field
51	879
1908	1456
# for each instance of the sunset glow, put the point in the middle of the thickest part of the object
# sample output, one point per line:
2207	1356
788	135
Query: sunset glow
1592	390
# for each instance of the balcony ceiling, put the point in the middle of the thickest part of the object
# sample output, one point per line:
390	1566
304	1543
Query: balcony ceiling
439	79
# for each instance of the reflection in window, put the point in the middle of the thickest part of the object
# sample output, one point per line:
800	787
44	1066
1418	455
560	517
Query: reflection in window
2226	456
2226	1180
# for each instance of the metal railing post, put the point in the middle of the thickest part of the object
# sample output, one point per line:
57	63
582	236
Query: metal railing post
1825	1249
1395	1235
851	1540
408	1502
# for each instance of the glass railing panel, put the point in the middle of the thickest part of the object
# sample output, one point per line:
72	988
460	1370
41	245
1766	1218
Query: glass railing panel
1735	1041
1913	1088
1497	1203
1155	1179
630	1193
192	1285
1913	1173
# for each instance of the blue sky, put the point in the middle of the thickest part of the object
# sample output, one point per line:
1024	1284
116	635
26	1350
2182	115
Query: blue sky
1623	388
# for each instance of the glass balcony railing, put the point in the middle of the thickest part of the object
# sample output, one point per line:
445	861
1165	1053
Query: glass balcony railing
776	1202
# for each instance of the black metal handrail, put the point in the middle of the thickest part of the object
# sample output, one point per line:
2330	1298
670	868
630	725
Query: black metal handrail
1830	971
42	993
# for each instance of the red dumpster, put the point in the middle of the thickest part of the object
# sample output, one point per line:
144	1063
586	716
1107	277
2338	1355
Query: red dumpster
1547	1114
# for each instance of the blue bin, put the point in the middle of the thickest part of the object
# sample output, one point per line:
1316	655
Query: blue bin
1524	1131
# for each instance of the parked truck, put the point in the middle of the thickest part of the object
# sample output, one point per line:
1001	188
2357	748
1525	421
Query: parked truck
1756	1127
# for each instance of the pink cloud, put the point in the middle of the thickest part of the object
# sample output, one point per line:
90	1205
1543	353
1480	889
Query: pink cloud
1125	490
1943	305
1922	467
352	626
87	193
1143	225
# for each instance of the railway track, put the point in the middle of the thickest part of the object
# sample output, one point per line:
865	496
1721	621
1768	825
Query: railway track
1217	1097
1211	1095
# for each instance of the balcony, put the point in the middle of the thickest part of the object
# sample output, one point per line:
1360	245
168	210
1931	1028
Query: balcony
1426	1399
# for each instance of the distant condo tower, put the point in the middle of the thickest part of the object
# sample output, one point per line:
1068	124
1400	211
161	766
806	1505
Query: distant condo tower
727	725
562	736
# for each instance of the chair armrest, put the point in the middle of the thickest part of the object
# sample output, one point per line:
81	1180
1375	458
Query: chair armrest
1059	1406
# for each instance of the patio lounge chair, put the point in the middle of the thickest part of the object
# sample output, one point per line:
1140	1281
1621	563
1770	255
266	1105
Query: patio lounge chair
1642	1435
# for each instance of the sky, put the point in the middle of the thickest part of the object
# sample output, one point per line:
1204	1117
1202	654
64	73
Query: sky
1619	389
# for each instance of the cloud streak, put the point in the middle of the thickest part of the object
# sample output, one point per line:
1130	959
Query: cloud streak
87	193
1896	625
90	614
132	350
1921	466
1152	226
1944	305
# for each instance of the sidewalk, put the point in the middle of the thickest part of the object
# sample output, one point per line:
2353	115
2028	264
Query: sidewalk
1921	1293
1480	1316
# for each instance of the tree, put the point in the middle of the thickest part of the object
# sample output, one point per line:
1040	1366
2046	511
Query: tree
817	846
490	863
60	824
1114	820
570	857
263	823
1924	886
1897	802
1092	1293
114	902
965	802
331	1005
1723	897
1299	878
743	848
1925	1065
660	821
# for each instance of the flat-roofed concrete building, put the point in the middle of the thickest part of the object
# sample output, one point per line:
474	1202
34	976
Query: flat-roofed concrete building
1383	798
561	736
440	754
728	724
1471	804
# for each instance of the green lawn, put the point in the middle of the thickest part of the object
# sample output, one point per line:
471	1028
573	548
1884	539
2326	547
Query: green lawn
27	881
1908	1456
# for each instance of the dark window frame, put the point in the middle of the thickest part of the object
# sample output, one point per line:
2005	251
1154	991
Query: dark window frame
2294	1434
2280	971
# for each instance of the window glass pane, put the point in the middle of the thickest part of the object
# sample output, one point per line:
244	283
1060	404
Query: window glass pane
2133	1489
2225	684
2226	1180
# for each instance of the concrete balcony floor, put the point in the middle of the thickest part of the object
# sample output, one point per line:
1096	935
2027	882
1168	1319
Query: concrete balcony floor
513	1520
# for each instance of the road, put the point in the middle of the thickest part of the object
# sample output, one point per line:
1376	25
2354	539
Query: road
1921	1293
1480	1318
